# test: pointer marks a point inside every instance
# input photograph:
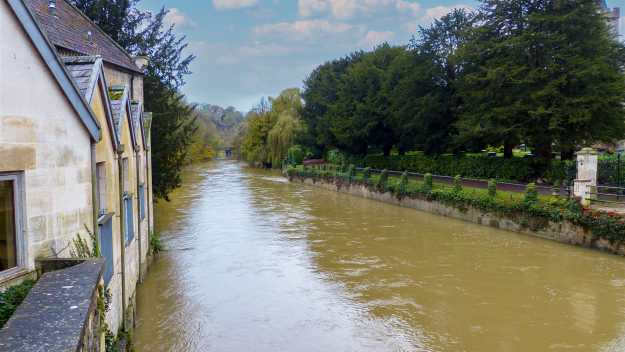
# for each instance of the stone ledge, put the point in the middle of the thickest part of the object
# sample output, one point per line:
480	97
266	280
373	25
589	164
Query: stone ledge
55	314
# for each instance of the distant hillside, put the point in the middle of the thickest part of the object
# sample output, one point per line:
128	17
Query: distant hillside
227	121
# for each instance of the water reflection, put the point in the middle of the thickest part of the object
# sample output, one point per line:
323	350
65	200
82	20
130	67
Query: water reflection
255	263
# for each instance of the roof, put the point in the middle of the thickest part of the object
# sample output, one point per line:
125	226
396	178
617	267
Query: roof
56	67
85	71
137	119
70	29
120	106
88	73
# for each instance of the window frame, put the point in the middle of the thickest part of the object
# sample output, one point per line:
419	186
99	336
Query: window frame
20	215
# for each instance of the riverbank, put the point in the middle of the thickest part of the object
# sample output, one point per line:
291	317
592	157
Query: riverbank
557	221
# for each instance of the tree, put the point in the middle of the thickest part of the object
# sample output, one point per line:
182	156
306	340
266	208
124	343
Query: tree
423	85
320	93
286	109
547	72
358	118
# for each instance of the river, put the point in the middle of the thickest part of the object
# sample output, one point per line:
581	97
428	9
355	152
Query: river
253	263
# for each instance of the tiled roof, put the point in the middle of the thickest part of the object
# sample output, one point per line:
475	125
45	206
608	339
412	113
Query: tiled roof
84	71
119	96
71	29
135	108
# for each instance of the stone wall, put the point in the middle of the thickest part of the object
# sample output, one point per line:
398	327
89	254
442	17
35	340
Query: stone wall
44	143
564	232
62	312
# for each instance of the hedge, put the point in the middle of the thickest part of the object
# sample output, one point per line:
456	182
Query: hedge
12	298
474	166
609	226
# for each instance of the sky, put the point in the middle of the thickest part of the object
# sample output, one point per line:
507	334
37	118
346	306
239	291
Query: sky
248	49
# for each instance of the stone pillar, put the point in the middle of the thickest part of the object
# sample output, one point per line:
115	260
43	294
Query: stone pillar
587	161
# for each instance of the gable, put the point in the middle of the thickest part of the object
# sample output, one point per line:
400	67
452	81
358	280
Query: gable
54	65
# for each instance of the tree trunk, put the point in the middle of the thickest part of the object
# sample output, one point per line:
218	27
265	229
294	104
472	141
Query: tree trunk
508	150
387	149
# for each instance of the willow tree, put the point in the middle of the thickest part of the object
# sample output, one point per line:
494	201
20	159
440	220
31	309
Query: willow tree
282	137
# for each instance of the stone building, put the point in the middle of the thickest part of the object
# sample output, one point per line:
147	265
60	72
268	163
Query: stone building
74	148
613	15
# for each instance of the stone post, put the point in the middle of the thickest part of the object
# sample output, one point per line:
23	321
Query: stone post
587	161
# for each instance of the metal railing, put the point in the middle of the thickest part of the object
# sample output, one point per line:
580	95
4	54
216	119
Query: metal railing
606	194
564	191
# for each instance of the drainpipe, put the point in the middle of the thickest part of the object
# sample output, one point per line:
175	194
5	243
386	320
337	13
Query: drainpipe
148	188
94	200
120	167
138	168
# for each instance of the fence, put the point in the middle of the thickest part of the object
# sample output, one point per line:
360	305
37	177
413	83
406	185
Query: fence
564	191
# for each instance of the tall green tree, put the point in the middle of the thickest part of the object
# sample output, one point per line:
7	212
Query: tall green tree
358	118
547	72
320	93
423	85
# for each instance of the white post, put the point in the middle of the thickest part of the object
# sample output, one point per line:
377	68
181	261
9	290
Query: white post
587	161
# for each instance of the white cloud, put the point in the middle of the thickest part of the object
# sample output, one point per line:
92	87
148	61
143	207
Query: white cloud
375	38
304	29
177	18
233	4
308	8
427	16
437	12
412	8
346	9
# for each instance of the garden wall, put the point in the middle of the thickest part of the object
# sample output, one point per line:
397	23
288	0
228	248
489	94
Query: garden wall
563	231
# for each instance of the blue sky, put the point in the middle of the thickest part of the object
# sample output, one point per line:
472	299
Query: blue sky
247	49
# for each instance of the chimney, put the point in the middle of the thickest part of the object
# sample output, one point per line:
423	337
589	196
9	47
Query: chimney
52	7
141	61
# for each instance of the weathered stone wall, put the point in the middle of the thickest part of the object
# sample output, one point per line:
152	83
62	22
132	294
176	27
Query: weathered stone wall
105	153
62	312
42	139
565	232
115	76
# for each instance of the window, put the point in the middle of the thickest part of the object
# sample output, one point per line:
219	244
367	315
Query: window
101	186
129	227
125	175
10	229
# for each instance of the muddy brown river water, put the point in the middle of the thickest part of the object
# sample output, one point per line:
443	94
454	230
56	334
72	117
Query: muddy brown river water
253	263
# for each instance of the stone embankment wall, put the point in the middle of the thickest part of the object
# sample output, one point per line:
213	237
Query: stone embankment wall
564	232
62	312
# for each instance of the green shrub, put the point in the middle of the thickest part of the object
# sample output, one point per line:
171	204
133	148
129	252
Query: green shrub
295	155
531	194
492	188
457	184
428	184
12	298
383	181
336	157
156	245
476	166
